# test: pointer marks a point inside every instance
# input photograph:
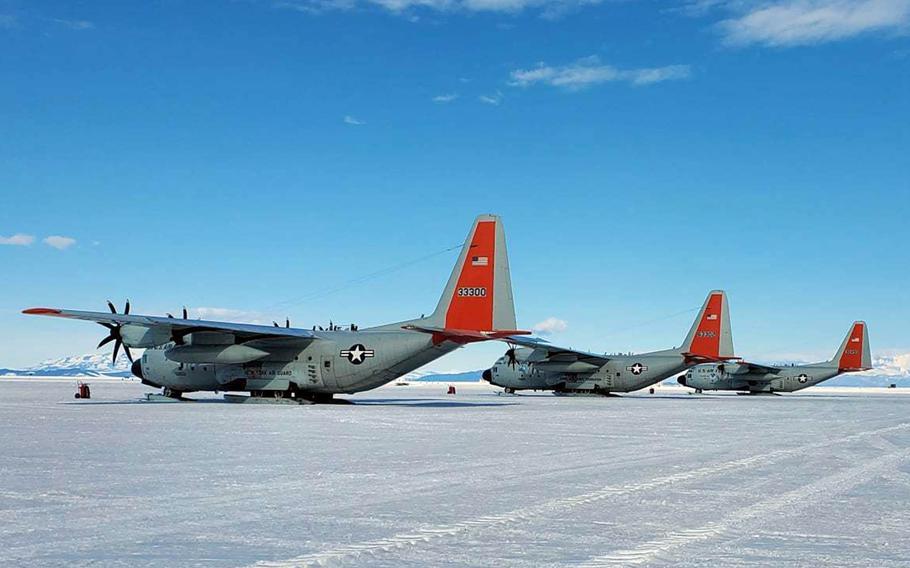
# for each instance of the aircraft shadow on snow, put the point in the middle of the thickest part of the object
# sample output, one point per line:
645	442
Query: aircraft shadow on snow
405	402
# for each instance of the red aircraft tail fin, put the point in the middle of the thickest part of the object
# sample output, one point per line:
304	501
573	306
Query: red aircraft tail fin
710	336
854	354
478	296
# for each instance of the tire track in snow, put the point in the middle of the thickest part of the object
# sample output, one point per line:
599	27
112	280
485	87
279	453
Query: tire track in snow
420	536
660	550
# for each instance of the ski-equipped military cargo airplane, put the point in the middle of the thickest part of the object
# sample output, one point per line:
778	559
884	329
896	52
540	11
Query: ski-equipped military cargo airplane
752	378
537	365
184	355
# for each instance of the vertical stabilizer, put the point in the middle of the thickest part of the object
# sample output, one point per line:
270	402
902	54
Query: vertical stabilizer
854	354
478	296
710	335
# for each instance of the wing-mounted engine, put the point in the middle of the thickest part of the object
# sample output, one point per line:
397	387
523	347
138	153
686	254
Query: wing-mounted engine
574	367
144	337
218	348
224	348
551	359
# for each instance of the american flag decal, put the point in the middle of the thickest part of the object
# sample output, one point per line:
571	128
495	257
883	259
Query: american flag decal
712	317
480	261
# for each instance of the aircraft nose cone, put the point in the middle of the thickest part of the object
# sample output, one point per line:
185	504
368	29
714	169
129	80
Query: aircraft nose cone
136	369
487	376
681	380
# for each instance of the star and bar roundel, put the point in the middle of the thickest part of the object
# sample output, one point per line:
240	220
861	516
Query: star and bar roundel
637	368
357	354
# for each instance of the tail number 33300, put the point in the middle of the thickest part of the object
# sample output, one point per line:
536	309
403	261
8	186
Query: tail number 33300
472	292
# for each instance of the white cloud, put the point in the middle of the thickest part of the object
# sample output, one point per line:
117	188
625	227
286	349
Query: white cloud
19	239
548	8
890	364
75	24
590	71
495	99
58	242
804	22
550	326
316	6
348	119
442	99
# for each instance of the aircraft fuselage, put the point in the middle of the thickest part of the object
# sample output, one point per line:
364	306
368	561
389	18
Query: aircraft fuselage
730	378
338	362
623	373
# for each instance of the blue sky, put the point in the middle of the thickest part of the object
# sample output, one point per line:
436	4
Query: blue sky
248	157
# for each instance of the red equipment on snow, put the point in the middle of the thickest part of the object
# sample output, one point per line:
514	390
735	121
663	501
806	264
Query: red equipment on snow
82	390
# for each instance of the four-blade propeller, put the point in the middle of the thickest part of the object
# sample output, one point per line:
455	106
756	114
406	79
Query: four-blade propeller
513	360
114	335
114	329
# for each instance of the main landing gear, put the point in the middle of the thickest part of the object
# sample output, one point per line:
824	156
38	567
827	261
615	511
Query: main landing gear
166	395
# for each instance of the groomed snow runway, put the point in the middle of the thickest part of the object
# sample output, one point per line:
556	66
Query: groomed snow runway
412	477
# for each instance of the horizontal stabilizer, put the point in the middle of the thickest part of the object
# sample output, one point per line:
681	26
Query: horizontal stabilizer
695	358
465	335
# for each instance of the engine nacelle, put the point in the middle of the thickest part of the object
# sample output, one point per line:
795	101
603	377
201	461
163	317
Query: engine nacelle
144	337
219	354
571	367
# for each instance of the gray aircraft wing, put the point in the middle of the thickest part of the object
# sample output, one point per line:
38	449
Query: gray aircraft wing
756	368
177	327
558	354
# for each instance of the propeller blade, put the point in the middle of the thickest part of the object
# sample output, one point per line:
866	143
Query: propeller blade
129	355
287	322
116	350
185	315
106	340
170	315
110	304
107	325
275	323
512	358
126	309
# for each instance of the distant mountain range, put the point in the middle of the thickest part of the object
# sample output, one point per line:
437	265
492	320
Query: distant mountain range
91	365
436	377
889	369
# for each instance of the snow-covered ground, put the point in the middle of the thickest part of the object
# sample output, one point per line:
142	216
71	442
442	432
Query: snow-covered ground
412	477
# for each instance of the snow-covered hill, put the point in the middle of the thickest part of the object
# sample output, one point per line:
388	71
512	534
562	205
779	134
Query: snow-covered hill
442	377
90	365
